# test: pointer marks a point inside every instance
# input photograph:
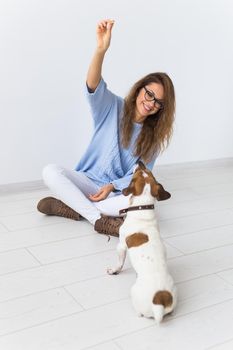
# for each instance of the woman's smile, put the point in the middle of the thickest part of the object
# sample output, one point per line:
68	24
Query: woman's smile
145	108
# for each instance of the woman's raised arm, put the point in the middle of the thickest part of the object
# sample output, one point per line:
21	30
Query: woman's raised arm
103	32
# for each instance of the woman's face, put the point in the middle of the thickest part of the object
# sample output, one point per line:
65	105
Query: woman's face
144	107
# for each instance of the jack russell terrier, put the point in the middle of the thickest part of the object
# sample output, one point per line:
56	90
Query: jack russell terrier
154	292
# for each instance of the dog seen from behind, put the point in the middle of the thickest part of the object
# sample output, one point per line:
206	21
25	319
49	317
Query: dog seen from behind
154	292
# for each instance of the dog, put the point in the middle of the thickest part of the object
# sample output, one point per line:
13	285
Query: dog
154	292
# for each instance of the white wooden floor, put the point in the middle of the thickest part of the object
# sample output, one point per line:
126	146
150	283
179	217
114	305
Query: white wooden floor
55	293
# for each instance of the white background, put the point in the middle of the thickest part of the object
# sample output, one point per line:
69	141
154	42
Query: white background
45	50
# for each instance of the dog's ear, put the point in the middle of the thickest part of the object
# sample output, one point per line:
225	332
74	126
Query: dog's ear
126	191
162	194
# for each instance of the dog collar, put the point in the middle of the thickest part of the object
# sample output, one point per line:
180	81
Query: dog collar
139	207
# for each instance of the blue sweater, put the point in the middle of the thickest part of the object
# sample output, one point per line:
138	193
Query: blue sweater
105	160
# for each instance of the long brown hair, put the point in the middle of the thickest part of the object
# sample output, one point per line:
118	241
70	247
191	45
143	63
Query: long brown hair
157	129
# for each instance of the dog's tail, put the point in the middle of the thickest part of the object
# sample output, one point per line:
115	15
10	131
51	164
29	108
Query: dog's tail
162	299
158	312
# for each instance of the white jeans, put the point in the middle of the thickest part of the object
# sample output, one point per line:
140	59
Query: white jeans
73	187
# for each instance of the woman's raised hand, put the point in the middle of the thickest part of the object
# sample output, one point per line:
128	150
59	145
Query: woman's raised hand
103	32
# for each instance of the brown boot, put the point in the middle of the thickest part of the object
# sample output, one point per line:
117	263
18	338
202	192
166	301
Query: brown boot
108	225
53	206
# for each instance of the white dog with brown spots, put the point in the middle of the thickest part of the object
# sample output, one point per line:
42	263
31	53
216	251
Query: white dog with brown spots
154	292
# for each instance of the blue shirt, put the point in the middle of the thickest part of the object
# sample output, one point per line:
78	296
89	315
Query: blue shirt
105	160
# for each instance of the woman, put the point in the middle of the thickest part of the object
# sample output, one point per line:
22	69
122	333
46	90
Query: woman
125	130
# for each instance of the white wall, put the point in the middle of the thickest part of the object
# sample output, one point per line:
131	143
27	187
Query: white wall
46	46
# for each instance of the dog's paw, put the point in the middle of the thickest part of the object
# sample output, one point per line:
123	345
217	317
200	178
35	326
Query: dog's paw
112	272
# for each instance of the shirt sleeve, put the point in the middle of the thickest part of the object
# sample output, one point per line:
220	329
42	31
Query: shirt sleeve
100	101
124	182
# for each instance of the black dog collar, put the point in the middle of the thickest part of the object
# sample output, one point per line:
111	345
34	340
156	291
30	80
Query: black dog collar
139	207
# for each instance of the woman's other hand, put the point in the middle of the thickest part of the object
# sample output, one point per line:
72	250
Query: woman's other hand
102	193
103	31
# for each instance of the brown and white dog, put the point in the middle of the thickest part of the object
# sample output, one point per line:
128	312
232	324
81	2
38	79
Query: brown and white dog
154	292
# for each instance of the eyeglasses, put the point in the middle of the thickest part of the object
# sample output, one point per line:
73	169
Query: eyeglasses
149	96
